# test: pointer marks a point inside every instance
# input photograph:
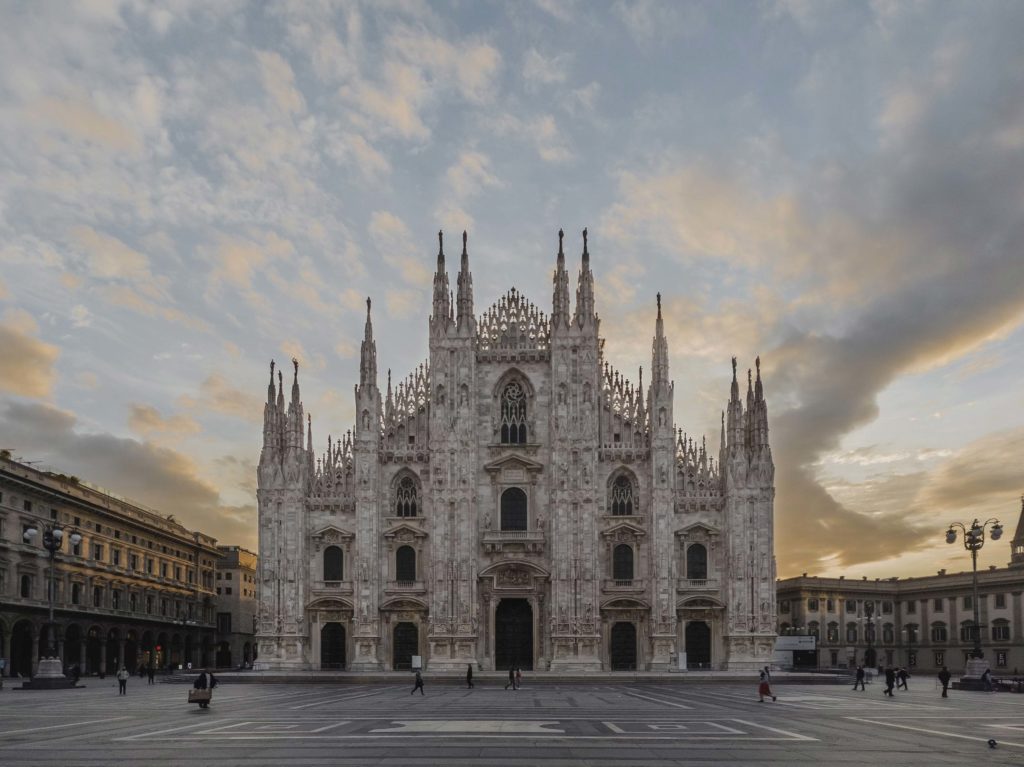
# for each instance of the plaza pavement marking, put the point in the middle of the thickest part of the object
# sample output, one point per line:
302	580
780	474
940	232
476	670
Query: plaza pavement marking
324	702
945	733
272	727
58	726
501	726
633	694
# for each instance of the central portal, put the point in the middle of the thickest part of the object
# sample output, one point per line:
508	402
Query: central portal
513	635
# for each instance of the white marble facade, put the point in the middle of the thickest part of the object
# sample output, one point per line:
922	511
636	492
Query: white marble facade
516	501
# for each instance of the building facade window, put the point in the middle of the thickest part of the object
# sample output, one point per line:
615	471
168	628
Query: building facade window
812	605
888	633
911	607
968	603
97	596
814	630
939	632
940	659
783	605
1001	658
1000	601
697	562
26	587
851	633
405	564
513	414
1000	631
830	605
513	509
886	608
966	631
76	593
832	634
622	497
851	605
406	497
334	561
622	562
938	605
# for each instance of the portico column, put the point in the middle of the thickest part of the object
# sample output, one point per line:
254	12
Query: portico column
103	656
60	649
81	654
120	653
35	652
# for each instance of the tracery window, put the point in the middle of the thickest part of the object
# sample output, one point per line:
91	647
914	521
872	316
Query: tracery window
406	497
622	497
513	414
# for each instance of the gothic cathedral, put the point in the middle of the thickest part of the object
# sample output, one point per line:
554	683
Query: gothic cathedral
516	501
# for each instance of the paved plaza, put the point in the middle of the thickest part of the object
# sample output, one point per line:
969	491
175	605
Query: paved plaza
544	724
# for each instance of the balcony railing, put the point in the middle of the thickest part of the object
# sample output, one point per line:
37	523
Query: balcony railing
624	584
513	535
698	584
406	586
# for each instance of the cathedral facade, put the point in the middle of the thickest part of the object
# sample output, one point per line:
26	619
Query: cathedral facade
516	501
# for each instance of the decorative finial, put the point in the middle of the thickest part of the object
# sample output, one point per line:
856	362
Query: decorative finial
440	242
271	369
464	237
734	370
659	306
561	234
757	364
367	307
585	252
750	379
295	362
280	380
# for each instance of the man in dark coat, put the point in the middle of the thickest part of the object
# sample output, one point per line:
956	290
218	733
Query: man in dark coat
902	676
201	682
944	677
419	683
469	675
511	678
890	680
859	679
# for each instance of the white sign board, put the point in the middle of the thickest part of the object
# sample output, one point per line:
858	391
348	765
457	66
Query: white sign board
795	643
417	661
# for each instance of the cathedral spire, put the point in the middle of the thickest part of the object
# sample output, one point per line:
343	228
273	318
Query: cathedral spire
368	354
560	301
659	352
585	289
442	308
464	318
309	434
758	386
295	382
271	394
280	391
1017	544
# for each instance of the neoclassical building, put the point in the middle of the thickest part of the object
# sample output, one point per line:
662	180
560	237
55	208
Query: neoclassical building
515	501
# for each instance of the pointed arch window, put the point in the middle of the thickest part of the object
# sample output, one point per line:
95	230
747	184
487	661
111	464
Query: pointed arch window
513	509
405	564
334	561
407	497
622	562
697	562
513	414
623	500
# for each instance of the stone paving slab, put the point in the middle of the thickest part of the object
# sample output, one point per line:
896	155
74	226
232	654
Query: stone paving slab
596	725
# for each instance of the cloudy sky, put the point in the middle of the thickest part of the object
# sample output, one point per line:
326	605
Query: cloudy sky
188	189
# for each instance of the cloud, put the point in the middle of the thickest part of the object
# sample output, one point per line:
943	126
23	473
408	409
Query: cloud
539	71
393	240
148	422
465	179
4	294
158	477
28	367
217	395
541	132
402	304
279	81
81	317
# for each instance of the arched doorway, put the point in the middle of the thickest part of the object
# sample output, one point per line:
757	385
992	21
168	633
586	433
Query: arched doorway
21	650
406	644
870	657
698	645
131	652
623	647
148	656
72	645
223	655
112	650
247	655
332	646
513	634
93	651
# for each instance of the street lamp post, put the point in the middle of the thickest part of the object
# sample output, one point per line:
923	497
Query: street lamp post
974	539
51	666
869	633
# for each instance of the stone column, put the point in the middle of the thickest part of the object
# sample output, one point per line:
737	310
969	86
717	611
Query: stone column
120	653
81	654
103	656
35	652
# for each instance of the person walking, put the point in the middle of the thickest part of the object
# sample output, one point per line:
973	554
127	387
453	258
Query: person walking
202	682
519	677
419	683
764	688
511	678
986	680
901	677
944	677
469	676
151	673
859	679
890	680
122	681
